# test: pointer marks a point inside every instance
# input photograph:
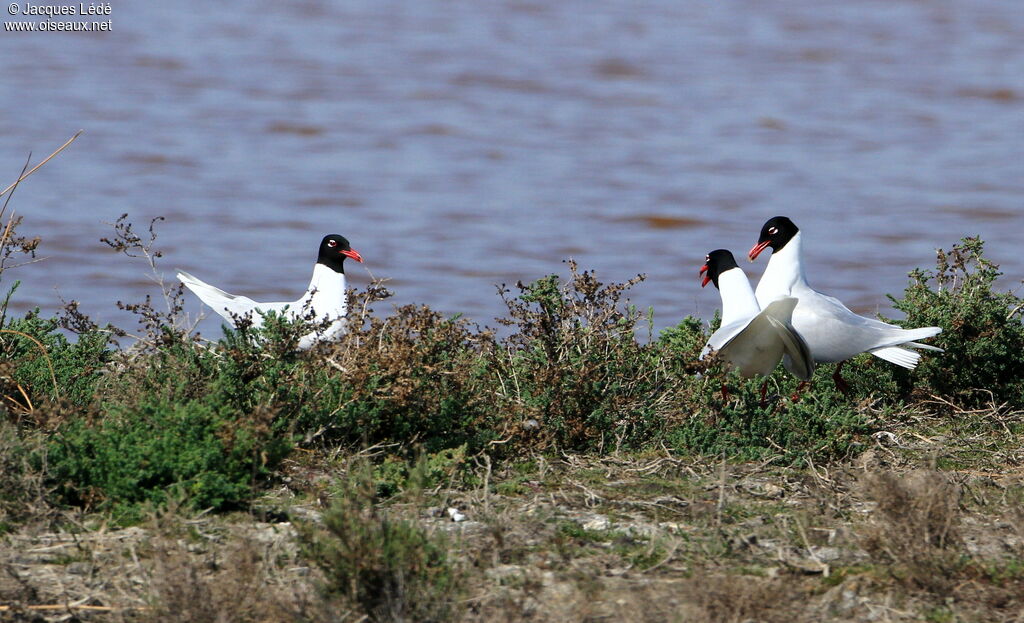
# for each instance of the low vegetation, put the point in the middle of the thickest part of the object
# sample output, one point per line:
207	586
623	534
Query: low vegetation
603	470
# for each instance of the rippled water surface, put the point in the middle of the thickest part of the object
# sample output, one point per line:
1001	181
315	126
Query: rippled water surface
463	144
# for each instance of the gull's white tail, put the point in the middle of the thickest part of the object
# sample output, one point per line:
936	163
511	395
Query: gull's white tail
902	355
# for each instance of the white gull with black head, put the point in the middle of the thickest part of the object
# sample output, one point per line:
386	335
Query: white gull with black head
325	302
833	332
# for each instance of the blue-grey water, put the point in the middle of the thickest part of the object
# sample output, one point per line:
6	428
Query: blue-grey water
463	144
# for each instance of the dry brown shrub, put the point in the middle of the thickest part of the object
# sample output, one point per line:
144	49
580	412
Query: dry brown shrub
572	375
415	341
23	490
414	376
915	529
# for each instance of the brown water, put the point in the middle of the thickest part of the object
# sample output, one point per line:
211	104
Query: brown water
463	144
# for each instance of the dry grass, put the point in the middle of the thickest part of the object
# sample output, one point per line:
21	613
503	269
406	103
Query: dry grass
237	583
581	539
23	489
915	529
723	598
380	561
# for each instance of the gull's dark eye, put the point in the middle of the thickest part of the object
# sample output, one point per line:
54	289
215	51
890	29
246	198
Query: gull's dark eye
772	231
332	243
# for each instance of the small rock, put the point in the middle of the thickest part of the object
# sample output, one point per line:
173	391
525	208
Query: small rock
598	523
306	514
674	527
794	559
504	574
884	437
671	500
764	489
826	554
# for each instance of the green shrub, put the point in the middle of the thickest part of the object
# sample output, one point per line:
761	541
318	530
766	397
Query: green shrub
822	425
428	470
211	455
33	344
389	568
175	373
982	332
871	377
247	370
683	343
253	369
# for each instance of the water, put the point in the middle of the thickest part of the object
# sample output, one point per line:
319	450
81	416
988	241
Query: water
462	145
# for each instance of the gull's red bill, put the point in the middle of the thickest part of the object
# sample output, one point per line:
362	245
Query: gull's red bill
756	250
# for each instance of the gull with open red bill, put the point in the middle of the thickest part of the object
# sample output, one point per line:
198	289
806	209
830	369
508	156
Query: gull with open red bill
750	339
324	304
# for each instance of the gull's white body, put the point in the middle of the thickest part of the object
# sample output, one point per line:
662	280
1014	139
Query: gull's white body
324	301
833	332
754	340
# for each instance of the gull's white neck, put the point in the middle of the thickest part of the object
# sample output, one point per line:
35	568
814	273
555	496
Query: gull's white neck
738	302
784	271
326	292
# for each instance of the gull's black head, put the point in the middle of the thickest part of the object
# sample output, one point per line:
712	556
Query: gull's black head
333	251
716	263
776	233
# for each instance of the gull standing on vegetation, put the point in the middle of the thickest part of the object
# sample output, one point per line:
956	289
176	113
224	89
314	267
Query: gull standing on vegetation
324	302
833	332
752	340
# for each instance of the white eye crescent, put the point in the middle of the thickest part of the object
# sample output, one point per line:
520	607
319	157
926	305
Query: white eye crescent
332	243
772	231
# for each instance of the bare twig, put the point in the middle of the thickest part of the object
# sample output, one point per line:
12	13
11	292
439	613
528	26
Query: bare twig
10	221
46	607
35	168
